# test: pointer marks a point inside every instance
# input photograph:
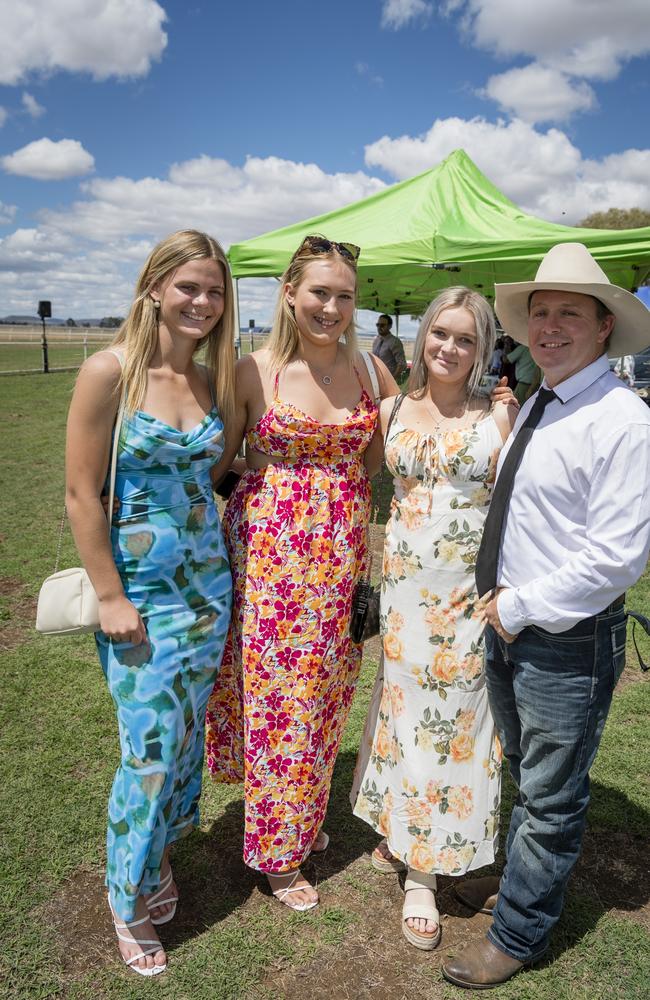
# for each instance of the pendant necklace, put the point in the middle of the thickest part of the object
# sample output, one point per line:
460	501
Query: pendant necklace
439	420
325	379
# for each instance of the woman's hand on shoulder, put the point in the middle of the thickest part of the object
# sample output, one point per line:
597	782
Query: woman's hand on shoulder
502	393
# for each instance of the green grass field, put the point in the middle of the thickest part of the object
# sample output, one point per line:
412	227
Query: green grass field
230	939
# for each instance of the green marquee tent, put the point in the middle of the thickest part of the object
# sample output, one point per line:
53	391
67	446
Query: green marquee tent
447	226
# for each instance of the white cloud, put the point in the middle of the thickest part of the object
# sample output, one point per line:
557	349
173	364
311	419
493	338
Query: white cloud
587	38
101	37
7	213
541	171
234	203
106	235
570	42
363	69
31	105
538	93
45	160
396	14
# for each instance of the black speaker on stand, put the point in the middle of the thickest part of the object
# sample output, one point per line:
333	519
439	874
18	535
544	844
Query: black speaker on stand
45	312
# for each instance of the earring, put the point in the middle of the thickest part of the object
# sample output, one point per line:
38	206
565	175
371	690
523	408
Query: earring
156	304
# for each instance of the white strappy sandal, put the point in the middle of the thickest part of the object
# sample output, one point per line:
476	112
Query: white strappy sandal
282	893
153	901
155	945
421	911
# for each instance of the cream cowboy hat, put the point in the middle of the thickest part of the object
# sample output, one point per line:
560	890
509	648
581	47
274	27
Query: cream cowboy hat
569	267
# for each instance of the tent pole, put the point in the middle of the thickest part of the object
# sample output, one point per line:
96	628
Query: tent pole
397	322
235	299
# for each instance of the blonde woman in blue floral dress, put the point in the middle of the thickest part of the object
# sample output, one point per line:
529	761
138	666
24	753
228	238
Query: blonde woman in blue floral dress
428	774
163	579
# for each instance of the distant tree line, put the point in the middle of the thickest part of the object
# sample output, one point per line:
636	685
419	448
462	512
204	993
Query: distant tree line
617	218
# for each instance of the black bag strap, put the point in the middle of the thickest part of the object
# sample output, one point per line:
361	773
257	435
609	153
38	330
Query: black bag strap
645	625
393	413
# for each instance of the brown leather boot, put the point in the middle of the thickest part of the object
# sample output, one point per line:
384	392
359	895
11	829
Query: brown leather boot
480	966
478	894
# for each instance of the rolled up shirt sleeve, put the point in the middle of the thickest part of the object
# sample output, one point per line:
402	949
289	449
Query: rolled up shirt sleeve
616	548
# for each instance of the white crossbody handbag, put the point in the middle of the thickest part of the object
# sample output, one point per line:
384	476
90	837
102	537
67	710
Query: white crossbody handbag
67	602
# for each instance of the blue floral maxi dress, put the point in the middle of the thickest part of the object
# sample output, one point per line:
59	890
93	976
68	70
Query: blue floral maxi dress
170	553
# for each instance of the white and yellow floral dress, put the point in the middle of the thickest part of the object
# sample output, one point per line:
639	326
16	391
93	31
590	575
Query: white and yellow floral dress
428	773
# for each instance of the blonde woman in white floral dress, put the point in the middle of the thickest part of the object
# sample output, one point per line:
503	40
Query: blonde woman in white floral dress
428	774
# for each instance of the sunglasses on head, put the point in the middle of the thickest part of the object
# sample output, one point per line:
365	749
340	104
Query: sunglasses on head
319	244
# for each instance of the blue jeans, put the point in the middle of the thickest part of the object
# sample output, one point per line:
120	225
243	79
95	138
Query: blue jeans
549	695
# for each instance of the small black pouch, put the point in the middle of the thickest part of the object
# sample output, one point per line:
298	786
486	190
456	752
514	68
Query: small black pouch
227	485
364	620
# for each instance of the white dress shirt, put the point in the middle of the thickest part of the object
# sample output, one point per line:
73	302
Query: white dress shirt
577	533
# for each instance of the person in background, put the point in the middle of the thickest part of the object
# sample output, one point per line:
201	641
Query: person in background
526	371
567	533
624	368
508	367
162	578
496	361
389	348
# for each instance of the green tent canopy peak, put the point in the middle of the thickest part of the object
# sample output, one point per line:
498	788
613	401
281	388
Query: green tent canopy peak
446	226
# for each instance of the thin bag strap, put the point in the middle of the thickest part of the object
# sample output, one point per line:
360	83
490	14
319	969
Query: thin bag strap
112	473
372	373
115	449
393	413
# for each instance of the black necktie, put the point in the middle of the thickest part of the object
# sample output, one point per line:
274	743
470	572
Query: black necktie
488	553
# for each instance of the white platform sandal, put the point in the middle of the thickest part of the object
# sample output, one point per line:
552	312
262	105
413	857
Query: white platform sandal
387	866
421	911
284	891
153	901
155	946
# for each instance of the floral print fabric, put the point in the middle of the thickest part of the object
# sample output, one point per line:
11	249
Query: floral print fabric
170	553
296	532
428	773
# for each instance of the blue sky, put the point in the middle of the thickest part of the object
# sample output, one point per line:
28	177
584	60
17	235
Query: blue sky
122	120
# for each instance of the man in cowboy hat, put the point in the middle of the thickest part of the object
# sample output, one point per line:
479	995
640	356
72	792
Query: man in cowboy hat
568	532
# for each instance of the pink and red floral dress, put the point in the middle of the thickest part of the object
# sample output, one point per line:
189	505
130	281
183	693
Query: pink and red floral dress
297	537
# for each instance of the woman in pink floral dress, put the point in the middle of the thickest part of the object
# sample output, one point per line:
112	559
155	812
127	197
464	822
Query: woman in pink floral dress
296	528
427	777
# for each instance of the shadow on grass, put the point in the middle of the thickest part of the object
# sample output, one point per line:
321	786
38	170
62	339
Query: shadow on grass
214	883
611	874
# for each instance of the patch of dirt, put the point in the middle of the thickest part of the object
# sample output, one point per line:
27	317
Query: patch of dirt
19	614
80	925
373	960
